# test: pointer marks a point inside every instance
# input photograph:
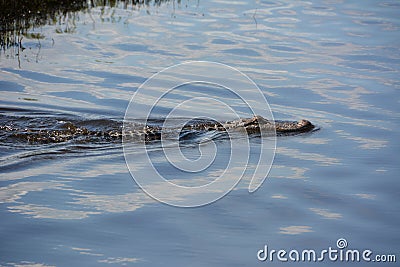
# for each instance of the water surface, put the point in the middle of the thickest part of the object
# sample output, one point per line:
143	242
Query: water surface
334	63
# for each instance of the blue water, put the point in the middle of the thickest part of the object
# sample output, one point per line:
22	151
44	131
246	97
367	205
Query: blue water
334	63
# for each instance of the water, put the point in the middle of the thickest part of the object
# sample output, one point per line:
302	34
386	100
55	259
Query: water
331	62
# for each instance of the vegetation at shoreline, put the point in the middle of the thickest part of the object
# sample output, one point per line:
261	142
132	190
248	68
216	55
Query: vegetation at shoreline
18	16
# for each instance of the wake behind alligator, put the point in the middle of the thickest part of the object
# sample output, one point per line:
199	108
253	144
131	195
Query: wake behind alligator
45	130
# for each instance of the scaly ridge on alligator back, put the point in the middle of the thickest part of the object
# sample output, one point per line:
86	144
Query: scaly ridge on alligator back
68	131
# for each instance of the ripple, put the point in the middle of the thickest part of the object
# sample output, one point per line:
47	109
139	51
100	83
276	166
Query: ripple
195	47
41	77
295	230
317	158
366	196
332	44
365	143
44	212
326	214
242	52
283	48
364	66
223	41
11	86
14	192
285	172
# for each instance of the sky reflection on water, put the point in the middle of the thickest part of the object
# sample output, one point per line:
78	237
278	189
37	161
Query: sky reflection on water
335	64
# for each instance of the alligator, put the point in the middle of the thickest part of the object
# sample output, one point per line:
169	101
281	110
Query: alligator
34	131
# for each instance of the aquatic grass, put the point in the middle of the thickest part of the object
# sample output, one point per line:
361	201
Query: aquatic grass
16	17
19	16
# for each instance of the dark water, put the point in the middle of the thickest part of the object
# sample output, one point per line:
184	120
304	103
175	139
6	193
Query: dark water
334	63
